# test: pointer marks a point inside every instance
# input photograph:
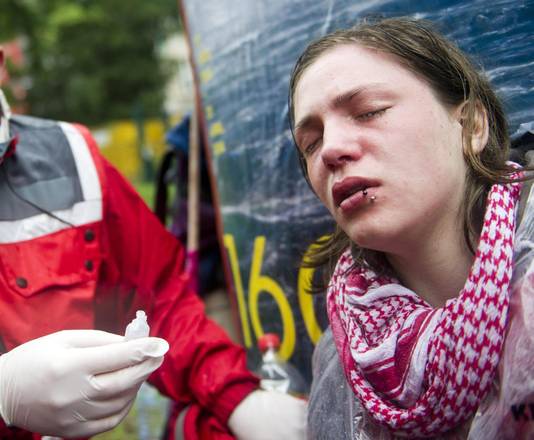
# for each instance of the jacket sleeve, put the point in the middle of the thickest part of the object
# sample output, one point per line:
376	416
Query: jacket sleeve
143	265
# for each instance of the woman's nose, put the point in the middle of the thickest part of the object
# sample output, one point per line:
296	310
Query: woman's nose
339	146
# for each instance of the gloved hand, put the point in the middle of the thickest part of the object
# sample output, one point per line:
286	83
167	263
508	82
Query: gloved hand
269	415
75	383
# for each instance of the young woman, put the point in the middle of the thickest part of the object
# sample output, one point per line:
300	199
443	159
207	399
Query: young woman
406	144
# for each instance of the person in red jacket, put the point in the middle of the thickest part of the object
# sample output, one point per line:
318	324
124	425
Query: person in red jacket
80	253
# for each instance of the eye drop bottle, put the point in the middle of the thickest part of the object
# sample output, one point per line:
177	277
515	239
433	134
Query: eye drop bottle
138	328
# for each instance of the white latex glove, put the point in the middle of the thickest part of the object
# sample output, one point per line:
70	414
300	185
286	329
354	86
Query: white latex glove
75	383
269	415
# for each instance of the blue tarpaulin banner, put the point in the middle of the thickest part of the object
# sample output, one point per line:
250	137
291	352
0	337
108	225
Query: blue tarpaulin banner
244	51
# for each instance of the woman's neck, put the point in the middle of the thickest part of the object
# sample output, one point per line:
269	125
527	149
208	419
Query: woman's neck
437	270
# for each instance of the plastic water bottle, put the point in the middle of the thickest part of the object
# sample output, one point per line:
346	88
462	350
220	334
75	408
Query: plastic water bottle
277	374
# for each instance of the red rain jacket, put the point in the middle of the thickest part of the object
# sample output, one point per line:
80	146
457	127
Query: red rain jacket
96	275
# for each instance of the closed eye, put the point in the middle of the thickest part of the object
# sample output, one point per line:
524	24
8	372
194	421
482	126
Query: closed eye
370	115
310	148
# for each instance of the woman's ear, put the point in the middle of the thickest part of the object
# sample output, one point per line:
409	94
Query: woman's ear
480	134
474	121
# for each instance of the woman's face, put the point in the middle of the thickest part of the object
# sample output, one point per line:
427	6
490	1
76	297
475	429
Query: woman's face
382	153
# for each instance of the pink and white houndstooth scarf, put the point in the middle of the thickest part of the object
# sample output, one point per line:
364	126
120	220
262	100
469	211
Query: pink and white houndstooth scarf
422	371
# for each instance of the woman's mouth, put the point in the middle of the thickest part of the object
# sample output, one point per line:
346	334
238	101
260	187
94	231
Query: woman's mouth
351	192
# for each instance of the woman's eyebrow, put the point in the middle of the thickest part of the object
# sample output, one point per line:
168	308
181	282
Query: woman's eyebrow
341	100
349	95
304	123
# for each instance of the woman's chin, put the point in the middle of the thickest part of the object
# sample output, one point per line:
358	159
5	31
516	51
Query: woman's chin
373	237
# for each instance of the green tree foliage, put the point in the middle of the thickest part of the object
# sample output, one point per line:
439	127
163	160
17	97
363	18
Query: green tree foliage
92	60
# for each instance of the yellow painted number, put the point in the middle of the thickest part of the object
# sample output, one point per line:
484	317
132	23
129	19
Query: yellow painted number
259	284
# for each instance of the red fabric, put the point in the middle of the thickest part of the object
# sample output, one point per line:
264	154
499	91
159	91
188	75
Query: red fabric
200	425
137	264
11	148
417	370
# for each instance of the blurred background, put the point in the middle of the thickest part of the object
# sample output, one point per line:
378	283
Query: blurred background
119	67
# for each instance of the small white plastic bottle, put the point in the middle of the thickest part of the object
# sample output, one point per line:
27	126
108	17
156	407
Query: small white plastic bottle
138	328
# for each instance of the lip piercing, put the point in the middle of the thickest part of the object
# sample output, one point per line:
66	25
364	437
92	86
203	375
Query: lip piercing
371	199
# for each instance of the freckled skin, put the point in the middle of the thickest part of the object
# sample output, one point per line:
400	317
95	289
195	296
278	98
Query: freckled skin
395	131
